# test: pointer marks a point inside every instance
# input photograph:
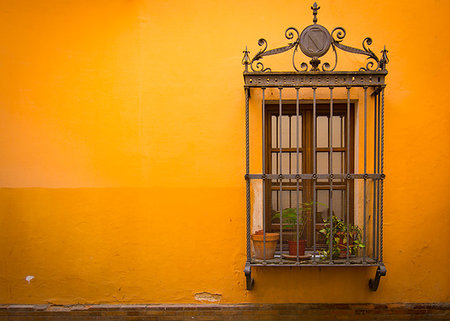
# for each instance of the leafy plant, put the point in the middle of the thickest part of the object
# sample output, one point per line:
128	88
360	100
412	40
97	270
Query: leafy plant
289	216
339	237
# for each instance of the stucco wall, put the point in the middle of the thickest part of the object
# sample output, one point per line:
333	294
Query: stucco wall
122	143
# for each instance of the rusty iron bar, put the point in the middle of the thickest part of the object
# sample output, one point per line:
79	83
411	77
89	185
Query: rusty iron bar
298	172
280	171
348	172
378	181
382	172
365	173
374	182
330	171
314	175
247	168
264	169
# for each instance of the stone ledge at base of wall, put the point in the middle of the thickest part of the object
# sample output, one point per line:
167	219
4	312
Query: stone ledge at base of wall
291	311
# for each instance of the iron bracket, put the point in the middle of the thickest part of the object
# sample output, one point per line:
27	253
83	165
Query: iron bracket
248	276
373	283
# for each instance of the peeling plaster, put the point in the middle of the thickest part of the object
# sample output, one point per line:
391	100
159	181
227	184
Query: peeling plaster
28	278
257	219
206	296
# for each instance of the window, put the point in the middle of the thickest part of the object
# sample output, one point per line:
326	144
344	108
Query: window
290	164
309	153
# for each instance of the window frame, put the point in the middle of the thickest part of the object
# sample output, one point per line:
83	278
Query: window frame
306	151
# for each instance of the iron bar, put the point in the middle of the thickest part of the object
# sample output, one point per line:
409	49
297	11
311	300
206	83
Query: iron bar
330	170
348	172
247	167
365	172
298	172
280	173
314	175
374	182
276	163
378	181
289	118
382	172
264	169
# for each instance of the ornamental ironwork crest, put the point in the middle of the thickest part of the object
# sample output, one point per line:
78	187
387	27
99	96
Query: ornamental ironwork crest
314	42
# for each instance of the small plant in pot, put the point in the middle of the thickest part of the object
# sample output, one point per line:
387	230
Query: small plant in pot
339	237
289	218
271	241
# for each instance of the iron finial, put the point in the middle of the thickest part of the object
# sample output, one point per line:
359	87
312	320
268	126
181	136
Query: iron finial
315	8
384	59
246	59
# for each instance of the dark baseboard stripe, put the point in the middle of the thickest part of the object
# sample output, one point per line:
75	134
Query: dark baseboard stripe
294	311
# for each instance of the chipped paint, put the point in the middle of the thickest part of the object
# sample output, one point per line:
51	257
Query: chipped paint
28	278
209	297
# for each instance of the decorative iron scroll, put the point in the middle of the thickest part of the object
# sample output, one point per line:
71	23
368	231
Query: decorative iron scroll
315	41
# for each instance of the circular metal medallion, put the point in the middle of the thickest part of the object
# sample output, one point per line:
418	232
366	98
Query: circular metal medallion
315	41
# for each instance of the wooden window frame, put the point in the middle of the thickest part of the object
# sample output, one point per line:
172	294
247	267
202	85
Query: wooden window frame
306	111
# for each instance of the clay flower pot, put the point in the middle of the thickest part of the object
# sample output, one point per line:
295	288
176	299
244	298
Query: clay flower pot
271	244
342	245
293	247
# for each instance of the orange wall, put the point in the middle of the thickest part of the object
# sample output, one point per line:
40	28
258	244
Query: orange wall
122	140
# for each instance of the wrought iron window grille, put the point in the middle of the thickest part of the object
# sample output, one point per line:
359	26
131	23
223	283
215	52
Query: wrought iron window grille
314	42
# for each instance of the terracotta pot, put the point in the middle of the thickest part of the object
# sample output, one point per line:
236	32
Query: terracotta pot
293	247
343	246
271	244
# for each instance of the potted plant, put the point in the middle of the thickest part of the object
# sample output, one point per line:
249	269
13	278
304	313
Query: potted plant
339	237
271	241
289	216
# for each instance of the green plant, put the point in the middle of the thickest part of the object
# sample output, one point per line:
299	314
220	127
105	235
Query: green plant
341	238
289	216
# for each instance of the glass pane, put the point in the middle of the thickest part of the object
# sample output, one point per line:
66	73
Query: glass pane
294	163
338	164
274	132
338	203
274	201
337	131
294	131
322	131
322	164
285	128
274	163
322	205
285	168
288	200
294	198
285	199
